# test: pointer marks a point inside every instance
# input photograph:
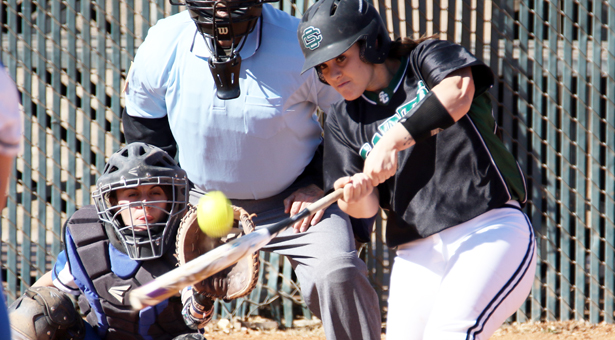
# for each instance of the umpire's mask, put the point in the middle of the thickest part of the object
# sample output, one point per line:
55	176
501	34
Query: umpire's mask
230	21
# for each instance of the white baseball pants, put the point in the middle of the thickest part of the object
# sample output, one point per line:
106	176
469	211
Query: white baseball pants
464	282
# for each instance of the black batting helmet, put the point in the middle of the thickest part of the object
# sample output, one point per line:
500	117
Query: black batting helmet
330	27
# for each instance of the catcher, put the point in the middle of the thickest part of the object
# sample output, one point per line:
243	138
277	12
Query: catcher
126	239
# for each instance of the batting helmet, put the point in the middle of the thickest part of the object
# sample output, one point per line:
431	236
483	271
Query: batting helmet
134	165
45	313
330	27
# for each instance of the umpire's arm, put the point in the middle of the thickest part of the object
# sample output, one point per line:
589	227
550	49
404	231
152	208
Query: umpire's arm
155	131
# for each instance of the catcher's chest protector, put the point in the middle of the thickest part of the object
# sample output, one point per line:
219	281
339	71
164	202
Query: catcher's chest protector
108	308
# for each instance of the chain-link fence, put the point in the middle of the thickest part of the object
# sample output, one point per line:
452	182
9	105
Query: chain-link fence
555	67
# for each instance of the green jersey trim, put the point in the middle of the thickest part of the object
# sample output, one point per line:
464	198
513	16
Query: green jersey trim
400	113
383	96
482	119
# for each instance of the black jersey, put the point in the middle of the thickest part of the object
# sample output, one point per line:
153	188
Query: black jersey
445	180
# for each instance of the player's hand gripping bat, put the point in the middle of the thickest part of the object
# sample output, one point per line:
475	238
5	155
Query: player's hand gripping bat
219	258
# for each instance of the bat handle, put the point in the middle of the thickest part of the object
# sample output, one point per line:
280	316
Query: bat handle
322	203
326	201
319	205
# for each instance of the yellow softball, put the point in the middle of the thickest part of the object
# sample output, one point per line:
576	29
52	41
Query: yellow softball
215	214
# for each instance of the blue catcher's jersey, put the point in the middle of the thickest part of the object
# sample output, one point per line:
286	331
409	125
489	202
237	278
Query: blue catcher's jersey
103	277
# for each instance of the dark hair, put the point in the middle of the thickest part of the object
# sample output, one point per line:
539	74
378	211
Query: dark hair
399	48
402	47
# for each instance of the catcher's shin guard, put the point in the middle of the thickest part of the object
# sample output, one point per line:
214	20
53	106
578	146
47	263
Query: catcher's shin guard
232	283
45	313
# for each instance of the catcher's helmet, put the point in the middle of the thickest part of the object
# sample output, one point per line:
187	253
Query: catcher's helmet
134	165
225	20
330	27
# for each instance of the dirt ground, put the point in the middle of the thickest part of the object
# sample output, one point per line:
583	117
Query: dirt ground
262	329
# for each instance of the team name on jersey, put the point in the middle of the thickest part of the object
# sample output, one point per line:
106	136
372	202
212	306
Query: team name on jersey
400	112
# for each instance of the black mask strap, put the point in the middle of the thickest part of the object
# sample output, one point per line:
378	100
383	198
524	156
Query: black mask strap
226	76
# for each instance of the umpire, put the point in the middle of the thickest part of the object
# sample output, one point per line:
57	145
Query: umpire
221	83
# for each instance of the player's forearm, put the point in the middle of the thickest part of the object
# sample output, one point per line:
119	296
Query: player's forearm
198	309
397	138
445	104
367	207
6	164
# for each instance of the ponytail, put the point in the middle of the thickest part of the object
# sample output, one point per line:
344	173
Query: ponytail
402	47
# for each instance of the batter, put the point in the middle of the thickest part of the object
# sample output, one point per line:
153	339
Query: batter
415	135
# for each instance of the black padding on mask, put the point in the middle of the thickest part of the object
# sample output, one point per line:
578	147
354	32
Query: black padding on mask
226	76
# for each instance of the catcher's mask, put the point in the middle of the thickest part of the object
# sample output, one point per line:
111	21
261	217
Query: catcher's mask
330	27
135	165
224	20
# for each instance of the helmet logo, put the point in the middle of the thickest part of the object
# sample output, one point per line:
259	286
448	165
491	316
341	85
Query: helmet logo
384	97
311	37
134	171
223	30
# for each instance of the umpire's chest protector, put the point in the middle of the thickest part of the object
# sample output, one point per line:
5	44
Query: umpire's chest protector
106	277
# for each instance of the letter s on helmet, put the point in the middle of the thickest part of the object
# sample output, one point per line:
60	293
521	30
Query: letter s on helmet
330	27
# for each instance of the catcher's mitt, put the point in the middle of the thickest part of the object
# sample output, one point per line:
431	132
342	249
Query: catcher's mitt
232	283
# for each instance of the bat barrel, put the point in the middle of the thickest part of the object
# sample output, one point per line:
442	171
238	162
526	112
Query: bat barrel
198	269
218	259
